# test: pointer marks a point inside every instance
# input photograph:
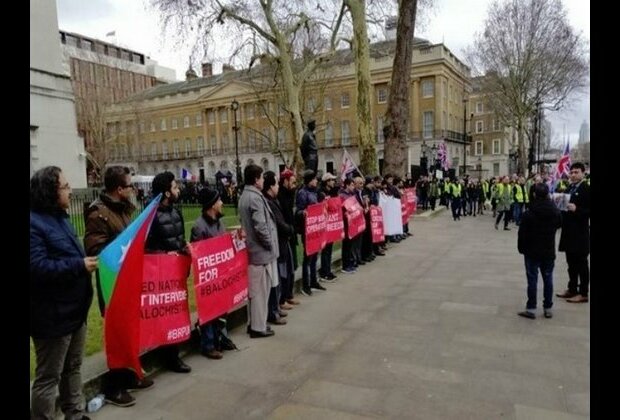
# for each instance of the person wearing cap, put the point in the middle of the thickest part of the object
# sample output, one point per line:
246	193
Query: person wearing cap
209	225
309	149
327	190
306	197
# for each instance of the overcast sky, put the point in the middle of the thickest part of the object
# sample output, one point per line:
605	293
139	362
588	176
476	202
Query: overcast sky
453	22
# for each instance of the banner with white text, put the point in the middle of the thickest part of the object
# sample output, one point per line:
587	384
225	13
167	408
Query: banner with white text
220	268
164	310
334	230
315	228
355	217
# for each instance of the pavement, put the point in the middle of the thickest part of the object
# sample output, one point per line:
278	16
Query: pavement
430	331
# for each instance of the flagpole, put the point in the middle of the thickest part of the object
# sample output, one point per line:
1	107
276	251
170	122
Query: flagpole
353	162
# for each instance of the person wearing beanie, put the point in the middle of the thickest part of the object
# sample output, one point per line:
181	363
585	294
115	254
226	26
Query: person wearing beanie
209	225
286	275
306	197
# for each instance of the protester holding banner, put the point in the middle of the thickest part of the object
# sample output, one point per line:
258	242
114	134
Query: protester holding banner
258	222
286	197
167	235
368	196
349	264
327	190
276	315
209	225
378	248
106	218
307	196
60	296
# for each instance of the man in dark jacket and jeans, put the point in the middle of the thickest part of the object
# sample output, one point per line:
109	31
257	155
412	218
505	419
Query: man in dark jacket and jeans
537	244
167	235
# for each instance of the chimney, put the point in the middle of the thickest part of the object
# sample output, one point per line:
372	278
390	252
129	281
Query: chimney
227	67
190	74
207	69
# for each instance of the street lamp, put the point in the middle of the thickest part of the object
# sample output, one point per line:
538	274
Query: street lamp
235	106
423	159
465	140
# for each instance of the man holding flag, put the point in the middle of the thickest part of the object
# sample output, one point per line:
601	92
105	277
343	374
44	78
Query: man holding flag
106	218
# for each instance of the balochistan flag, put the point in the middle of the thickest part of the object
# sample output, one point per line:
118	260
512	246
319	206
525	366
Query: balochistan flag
348	166
120	275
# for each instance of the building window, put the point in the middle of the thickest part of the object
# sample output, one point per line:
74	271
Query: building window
186	122
176	149
380	137
143	150
152	126
328	103
479	126
154	150
266	138
479	107
249	111
225	143
198	120
382	95
345	100
496	125
496	169
111	129
329	134
427	89
281	137
224	115
211	117
496	148
164	149
212	144
346	132
429	123
175	123
163	124
478	150
200	146
310	105
188	147
252	140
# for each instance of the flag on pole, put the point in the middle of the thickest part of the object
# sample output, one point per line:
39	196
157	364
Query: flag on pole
120	278
348	166
186	175
563	165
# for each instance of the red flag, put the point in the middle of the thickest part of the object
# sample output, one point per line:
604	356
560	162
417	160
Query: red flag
122	317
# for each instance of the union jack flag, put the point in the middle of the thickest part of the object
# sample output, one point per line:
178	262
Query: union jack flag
442	155
563	164
348	166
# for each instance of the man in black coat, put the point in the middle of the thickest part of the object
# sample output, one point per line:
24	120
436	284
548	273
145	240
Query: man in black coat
537	244
575	237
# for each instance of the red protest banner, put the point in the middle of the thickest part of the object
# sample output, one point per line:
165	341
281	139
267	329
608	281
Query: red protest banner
412	200
404	208
376	224
164	312
315	228
355	217
220	276
334	229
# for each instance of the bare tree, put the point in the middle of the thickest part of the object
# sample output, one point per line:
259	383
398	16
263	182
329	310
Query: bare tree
530	55
274	30
395	128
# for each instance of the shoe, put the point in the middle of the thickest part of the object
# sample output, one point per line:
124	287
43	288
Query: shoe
248	329
286	307
212	354
506	228
548	313
317	286
409	234
293	301
179	367
566	295
306	291
326	280
361	263
369	260
331	276
139	384
121	398
348	270
578	299
527	314
261	334
282	314
278	321
380	254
